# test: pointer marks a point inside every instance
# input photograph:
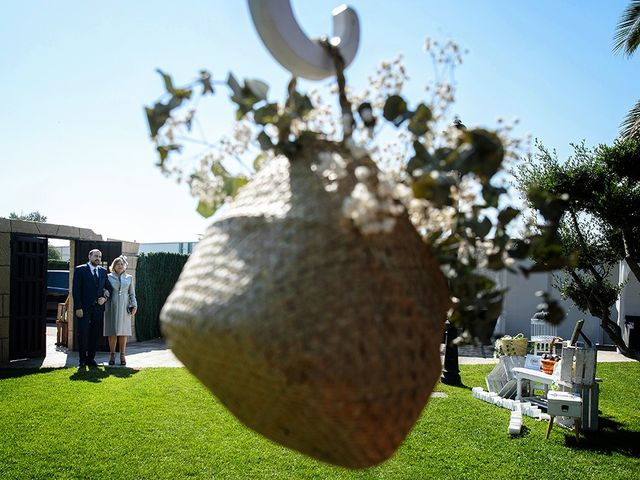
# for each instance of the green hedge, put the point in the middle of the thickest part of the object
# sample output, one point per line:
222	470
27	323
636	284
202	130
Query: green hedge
156	274
57	264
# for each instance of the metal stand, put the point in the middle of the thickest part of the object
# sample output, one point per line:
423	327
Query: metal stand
451	370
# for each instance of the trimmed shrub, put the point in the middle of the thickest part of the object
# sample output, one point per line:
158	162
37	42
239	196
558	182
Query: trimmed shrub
156	274
57	264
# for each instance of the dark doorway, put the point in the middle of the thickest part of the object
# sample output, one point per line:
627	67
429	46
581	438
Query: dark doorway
28	313
110	250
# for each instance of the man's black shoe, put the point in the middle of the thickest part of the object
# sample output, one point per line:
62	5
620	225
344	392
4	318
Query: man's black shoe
92	363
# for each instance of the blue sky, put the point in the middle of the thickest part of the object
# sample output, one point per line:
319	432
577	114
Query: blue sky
76	74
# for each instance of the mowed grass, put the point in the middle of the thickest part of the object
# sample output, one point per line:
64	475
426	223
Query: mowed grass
161	423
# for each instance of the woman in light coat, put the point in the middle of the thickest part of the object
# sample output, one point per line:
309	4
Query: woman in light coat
121	306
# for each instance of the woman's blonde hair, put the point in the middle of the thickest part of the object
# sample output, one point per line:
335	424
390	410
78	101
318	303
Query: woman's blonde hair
112	267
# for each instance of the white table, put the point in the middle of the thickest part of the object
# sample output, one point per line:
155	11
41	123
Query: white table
531	375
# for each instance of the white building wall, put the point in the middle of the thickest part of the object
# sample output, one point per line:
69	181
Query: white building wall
521	303
629	301
65	252
168	247
632	296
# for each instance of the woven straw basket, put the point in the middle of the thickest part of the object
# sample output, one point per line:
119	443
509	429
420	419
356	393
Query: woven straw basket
514	346
314	335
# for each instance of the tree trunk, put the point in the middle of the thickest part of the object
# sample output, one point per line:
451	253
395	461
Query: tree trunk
630	258
615	333
602	312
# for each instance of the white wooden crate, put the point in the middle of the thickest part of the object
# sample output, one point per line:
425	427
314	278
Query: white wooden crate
564	404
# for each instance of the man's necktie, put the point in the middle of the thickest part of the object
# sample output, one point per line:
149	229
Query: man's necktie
95	275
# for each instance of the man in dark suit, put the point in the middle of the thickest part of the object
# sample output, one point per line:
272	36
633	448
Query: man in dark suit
89	285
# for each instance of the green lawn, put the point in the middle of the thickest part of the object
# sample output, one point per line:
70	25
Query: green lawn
161	423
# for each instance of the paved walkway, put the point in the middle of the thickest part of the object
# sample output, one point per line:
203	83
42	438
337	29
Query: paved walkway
154	353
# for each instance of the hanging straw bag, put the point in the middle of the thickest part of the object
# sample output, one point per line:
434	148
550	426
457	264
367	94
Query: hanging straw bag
317	336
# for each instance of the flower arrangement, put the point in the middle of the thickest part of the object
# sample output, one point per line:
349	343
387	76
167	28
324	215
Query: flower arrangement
451	180
315	303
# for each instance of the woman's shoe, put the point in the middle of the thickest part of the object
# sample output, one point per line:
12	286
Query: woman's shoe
122	360
112	359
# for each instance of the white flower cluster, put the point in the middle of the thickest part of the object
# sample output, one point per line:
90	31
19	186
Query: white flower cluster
444	52
388	80
515	148
322	119
372	205
429	219
331	167
178	123
204	185
374	202
325	118
445	56
239	143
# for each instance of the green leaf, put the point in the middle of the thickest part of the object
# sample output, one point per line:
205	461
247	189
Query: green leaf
234	85
265	141
549	304
445	158
491	194
206	209
175	92
245	105
495	262
506	215
480	152
414	164
435	189
289	148
421	150
231	185
365	110
419	123
421	159
395	109
218	170
299	105
168	82
483	227
159	114
246	97
551	206
518	249
266	114
258	88
241	112
155	119
257	162
164	150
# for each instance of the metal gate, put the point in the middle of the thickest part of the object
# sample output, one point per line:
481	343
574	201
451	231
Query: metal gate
28	312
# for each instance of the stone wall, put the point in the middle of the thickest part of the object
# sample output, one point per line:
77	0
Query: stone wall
9	226
130	250
71	319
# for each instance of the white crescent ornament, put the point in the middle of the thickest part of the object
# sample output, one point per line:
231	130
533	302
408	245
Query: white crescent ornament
290	46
